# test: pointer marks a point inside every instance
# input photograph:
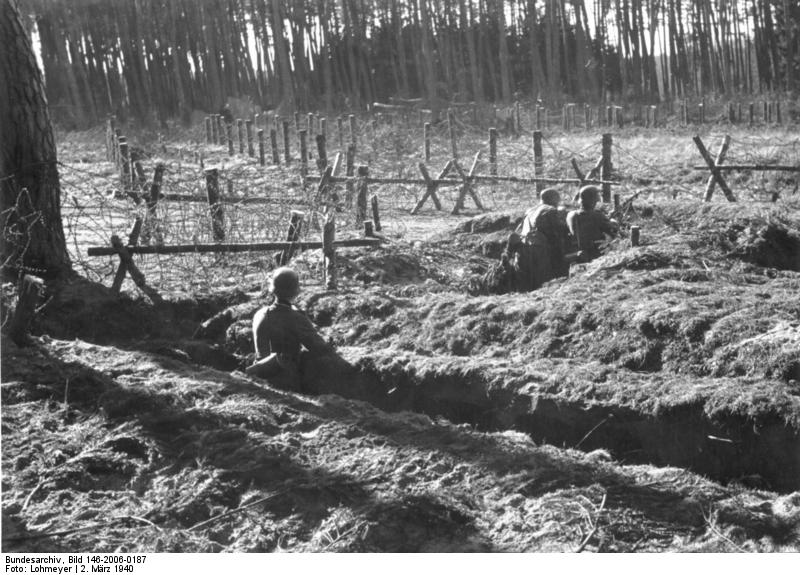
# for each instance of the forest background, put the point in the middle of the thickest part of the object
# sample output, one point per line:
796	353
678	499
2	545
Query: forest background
153	60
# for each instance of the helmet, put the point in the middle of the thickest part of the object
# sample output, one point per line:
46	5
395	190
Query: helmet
590	195
550	197
285	283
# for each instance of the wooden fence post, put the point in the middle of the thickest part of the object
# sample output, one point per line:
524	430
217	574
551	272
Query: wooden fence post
292	235
322	153
493	151
209	140
350	162
538	163
136	275
229	132
353	134
376	218
634	236
517	118
361	195
329	252
273	142
303	155
124	164
538	117
214	130
287	156
249	129
684	113
297	122
340	131
30	292
605	169
261	148
310	124
323	127
426	131
240	135
222	130
215	208
752	114
111	125
587	116
451	129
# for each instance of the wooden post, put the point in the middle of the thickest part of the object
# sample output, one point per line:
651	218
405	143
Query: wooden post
634	236
616	202
229	187
214	130
214	206
605	169
764	110
110	127
361	195
451	129
136	275
609	115
310	124
273	142
340	131
329	252
322	153
323	127
493	151
155	193
778	117
426	131
587	116
376	218
655	116
538	117
303	155
240	135
221	130
712	182
517	118
209	140
538	163
229	132
249	129
731	113
287	156
715	172
297	122
292	235
124	164
369	230
30	292
684	113
261	148
350	162
353	134
752	114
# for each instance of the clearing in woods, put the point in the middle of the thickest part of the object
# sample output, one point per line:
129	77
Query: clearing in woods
650	402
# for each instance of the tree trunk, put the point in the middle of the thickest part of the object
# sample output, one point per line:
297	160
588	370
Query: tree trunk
33	237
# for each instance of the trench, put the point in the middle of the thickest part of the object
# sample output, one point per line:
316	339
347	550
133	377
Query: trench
729	447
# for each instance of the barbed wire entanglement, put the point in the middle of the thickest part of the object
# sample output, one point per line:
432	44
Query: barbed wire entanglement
257	200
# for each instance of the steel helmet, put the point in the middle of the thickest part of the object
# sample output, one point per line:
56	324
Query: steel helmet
590	195
550	197
285	283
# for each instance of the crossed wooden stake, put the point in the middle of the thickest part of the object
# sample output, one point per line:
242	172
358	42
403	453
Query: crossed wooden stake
467	185
713	165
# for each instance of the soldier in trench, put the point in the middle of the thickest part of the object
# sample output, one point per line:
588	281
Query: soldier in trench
542	244
589	226
281	330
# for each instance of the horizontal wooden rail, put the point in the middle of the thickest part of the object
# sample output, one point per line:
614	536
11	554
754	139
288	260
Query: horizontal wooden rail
460	181
231	248
753	167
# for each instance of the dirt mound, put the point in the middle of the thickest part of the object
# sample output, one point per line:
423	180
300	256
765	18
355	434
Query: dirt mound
170	457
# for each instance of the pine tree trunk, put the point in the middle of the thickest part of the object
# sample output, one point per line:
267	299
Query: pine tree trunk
33	237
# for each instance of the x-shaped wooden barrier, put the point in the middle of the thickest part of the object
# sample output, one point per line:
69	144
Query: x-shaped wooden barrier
431	186
467	187
713	165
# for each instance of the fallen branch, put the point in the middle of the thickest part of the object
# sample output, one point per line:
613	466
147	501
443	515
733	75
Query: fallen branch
237	510
596	525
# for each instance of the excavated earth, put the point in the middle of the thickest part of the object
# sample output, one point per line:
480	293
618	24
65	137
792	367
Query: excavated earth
650	402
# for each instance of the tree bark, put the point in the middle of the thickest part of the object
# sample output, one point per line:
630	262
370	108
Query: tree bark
32	234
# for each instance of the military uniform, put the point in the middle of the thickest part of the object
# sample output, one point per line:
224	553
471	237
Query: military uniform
279	332
589	227
541	257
